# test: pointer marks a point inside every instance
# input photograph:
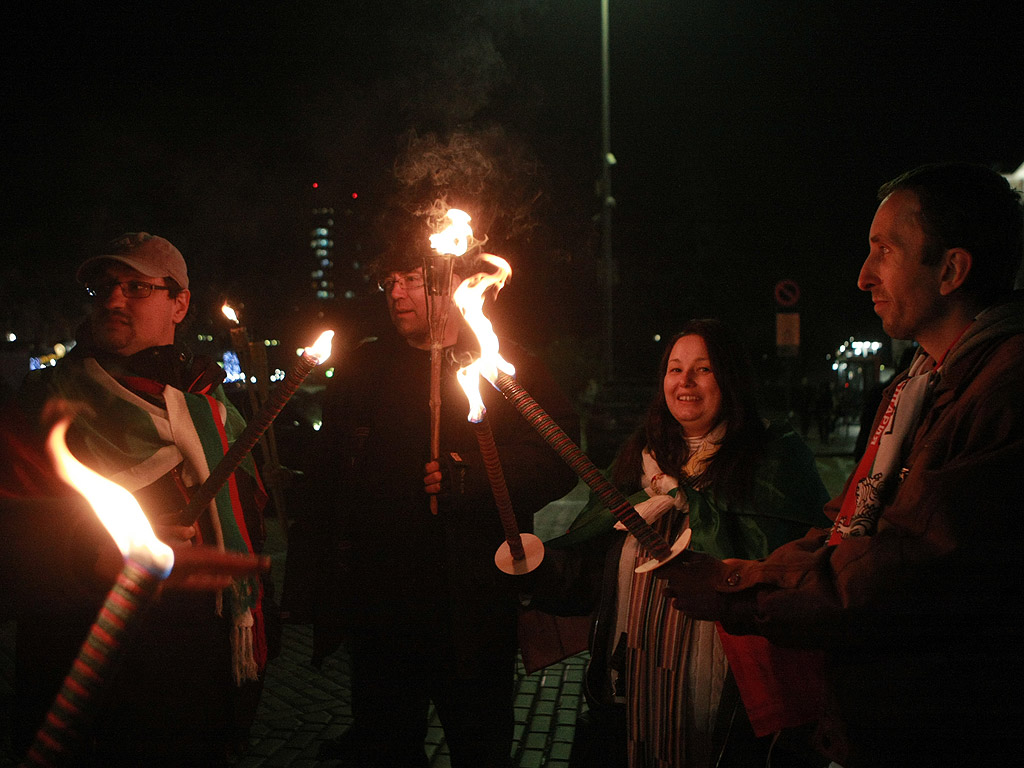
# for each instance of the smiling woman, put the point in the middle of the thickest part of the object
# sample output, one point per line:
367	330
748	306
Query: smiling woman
704	465
691	392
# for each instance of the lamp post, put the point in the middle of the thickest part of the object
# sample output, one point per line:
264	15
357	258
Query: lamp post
607	201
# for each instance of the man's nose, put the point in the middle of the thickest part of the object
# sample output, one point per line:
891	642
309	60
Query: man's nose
867	279
115	297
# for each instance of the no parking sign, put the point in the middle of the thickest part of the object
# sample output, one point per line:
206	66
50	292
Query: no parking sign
787	293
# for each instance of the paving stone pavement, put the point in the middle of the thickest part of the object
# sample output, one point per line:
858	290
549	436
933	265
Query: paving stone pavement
302	706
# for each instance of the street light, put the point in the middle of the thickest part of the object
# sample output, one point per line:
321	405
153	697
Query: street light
607	201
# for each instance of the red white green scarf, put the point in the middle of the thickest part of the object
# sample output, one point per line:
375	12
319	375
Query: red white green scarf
880	468
135	442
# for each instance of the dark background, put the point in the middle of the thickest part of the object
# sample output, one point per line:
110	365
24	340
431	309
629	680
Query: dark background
750	139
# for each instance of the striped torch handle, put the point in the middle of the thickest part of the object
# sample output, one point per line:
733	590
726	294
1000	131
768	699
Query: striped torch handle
492	463
69	714
610	496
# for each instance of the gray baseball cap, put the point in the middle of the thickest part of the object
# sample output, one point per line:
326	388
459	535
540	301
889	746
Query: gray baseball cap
151	255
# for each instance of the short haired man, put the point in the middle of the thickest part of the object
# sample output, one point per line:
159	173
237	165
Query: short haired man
155	420
912	593
141	294
426	614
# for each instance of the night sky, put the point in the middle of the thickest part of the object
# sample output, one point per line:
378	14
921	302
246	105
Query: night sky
750	139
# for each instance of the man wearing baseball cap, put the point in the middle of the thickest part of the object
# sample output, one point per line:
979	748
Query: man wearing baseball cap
140	287
156	421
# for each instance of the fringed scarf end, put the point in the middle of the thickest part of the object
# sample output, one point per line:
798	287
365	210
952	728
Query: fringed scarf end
243	657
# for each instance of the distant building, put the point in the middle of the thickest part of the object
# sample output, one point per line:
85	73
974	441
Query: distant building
321	242
335	240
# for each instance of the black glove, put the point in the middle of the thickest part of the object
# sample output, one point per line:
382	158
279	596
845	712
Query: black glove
452	470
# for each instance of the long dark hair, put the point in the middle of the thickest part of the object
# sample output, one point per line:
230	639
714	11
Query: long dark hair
730	473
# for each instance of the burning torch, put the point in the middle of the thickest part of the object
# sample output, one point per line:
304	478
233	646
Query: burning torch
148	561
502	378
521	552
310	358
452	241
253	359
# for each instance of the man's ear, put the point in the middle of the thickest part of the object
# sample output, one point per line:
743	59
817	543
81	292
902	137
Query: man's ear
957	265
181	302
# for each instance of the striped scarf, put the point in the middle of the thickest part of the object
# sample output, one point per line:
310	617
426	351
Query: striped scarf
134	442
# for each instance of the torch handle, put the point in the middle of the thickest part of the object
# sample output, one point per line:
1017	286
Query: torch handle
610	496
247	440
492	463
435	409
69	713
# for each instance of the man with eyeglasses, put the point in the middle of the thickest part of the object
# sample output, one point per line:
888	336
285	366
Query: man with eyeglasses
422	608
154	418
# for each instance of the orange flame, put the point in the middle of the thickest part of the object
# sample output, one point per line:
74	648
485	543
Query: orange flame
116	508
321	350
469	298
230	314
455	238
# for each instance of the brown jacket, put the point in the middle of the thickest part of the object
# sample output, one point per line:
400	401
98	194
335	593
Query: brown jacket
923	621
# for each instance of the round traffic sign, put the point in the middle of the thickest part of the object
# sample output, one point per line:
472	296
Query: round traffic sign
787	293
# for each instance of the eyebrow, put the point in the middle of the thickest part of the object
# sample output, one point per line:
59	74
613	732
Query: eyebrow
696	360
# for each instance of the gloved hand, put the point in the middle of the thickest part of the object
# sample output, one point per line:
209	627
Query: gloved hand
692	578
445	476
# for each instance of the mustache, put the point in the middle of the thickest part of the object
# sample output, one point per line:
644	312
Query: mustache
112	314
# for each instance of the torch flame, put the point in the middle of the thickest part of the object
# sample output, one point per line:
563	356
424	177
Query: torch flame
321	350
453	239
116	508
468	378
229	313
469	298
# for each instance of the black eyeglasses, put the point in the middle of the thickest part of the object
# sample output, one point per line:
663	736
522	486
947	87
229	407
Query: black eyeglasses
409	282
130	289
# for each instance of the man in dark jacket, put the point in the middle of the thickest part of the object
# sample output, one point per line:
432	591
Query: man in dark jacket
424	611
911	593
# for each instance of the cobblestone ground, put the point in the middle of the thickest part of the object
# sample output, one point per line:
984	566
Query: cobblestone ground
302	707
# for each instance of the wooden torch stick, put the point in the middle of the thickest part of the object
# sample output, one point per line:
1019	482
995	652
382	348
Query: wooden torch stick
220	474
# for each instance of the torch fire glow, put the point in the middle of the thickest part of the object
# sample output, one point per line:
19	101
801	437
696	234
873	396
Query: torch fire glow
453	240
521	552
311	357
501	374
253	361
147	562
